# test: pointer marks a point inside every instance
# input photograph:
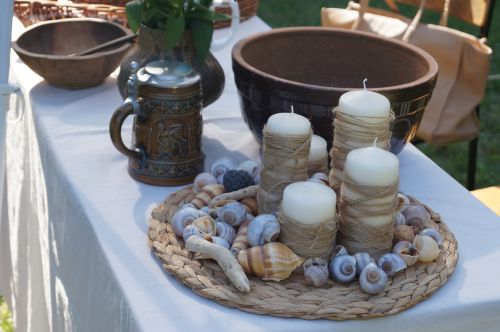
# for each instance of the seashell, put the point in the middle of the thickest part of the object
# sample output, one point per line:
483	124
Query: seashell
233	213
252	167
218	241
428	248
372	279
250	204
272	261
362	260
204	209
221	166
206	194
322	177
263	229
340	250
203	179
191	230
241	241
433	234
403	233
183	217
343	268
400	219
185	205
206	225
250	217
391	264
315	271
403	201
225	231
416	216
407	252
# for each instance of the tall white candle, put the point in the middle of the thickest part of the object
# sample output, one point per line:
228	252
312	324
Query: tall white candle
365	103
318	148
288	124
309	202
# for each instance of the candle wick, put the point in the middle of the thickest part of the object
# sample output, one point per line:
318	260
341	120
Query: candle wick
364	83
292	109
375	142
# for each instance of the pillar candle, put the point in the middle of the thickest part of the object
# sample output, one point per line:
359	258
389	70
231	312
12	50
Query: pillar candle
318	149
365	103
288	124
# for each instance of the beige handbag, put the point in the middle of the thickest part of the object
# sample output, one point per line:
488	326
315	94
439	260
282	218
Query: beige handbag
462	58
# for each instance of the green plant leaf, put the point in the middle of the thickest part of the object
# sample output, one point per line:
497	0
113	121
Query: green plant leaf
133	10
153	16
199	14
174	30
206	3
202	36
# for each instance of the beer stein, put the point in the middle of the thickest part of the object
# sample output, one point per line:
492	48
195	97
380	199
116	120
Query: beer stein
165	99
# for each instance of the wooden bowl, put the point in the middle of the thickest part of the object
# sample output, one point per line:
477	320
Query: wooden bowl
45	47
311	67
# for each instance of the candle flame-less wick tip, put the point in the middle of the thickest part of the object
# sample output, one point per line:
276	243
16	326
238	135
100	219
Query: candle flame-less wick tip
375	142
292	109
364	83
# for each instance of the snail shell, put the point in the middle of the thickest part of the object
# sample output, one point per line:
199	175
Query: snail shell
322	177
428	248
403	201
315	271
272	261
400	219
391	264
225	231
250	204
407	251
221	166
433	234
403	233
240	241
205	225
183	217
416	216
372	279
263	229
191	230
233	213
340	250
203	179
252	167
343	268
206	194
185	205
362	260
218	241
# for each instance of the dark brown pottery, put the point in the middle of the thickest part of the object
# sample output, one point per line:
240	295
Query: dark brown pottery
45	47
151	46
311	67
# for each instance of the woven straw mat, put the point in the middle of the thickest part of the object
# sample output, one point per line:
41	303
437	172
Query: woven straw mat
292	297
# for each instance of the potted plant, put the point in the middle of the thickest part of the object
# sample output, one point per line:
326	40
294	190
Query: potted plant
175	29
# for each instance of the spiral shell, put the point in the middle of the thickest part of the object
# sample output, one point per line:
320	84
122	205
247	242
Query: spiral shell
203	179
315	271
403	233
340	250
183	217
250	204
372	279
407	251
433	234
343	268
218	241
321	178
416	216
225	231
403	201
272	261
221	166
191	230
428	248
241	241
362	260
233	213
400	219
185	205
252	167
206	194
391	264
263	229
205	225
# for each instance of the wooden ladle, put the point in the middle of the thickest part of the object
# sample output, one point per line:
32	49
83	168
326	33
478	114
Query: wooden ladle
114	42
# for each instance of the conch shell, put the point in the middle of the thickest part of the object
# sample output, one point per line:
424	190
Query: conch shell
241	241
206	194
272	261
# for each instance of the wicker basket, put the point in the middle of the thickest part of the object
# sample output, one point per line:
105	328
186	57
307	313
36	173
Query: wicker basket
248	8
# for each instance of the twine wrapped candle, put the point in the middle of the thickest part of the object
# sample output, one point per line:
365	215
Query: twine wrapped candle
318	156
308	219
360	117
287	140
369	201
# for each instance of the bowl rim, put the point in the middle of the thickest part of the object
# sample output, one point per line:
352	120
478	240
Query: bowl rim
18	49
240	61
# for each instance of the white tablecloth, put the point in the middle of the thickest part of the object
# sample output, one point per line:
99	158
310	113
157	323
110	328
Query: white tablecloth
73	248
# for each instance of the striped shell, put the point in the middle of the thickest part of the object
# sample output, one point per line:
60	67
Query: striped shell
241	241
272	261
206	194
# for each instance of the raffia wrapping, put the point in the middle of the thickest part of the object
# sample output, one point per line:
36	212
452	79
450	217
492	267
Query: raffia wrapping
373	201
317	166
354	132
306	240
284	161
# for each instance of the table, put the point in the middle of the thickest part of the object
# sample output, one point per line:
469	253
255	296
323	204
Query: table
73	251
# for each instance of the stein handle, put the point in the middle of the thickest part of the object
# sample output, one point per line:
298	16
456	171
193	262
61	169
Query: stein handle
220	43
115	129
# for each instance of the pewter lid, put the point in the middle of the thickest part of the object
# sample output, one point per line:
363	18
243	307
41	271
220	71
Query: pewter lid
168	74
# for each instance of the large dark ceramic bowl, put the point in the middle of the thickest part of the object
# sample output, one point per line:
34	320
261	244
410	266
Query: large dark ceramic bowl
310	68
45	48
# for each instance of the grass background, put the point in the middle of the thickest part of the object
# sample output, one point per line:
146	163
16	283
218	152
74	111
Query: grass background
452	158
